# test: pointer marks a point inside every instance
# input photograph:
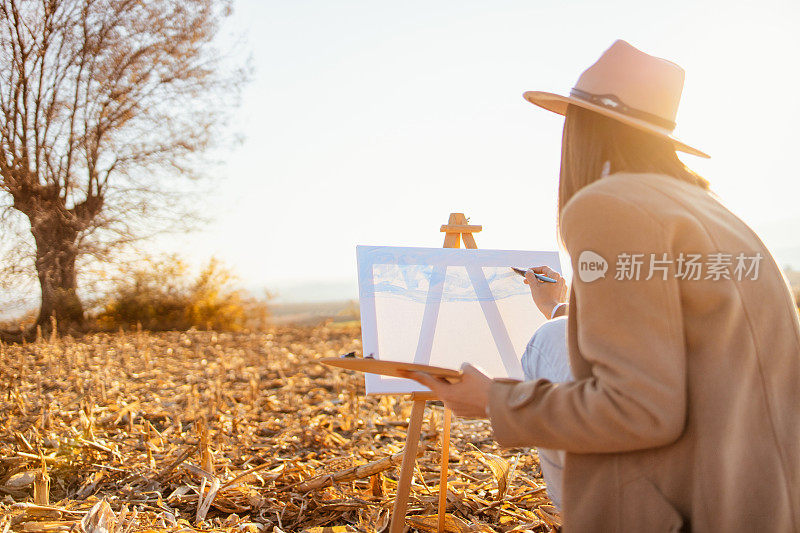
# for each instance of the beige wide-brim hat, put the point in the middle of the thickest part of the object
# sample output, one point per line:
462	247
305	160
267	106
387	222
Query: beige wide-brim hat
630	86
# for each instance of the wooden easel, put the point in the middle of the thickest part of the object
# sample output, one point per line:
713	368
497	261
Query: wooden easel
456	230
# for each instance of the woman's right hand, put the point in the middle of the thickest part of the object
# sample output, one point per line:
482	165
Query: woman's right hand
546	295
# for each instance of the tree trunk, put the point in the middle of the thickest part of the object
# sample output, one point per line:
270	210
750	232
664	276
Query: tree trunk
55	264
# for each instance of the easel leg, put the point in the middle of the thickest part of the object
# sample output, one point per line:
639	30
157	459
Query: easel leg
407	467
444	468
457	228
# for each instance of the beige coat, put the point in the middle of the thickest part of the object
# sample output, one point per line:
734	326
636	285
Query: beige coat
685	409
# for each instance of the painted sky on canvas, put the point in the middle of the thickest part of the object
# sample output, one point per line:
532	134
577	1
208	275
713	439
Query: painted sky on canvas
367	122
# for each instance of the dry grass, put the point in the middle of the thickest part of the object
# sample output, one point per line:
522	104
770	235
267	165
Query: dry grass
202	431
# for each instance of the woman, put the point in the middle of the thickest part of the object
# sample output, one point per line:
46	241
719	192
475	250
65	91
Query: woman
683	412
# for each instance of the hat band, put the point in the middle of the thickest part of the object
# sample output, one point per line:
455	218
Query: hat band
610	101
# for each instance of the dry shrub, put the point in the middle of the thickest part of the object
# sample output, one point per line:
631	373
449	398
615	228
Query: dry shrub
162	295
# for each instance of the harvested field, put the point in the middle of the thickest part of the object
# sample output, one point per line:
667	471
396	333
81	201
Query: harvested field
204	431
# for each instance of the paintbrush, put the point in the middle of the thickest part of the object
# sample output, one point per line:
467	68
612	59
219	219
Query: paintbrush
540	277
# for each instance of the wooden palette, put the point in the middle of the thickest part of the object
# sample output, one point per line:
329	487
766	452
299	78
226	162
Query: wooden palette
390	368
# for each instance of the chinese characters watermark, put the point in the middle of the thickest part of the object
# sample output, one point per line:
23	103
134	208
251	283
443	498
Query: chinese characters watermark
686	266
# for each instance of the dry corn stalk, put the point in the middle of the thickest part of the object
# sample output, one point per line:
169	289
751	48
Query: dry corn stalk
206	458
499	467
151	462
349	474
41	484
99	519
206	499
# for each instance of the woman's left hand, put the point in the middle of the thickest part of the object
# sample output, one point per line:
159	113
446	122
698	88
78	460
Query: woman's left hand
467	398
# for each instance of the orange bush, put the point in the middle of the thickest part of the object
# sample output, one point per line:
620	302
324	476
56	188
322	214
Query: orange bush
161	295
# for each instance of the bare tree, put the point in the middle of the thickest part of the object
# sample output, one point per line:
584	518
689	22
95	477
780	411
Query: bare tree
103	104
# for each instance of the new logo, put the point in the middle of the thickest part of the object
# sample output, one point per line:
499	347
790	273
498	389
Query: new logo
591	266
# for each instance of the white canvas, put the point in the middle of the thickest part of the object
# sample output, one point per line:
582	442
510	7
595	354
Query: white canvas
445	307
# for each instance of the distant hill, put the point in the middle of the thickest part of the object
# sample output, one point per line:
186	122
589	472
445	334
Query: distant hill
310	313
309	291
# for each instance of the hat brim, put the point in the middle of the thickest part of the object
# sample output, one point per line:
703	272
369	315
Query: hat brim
558	104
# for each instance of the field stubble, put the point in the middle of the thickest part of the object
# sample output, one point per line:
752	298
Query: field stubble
205	431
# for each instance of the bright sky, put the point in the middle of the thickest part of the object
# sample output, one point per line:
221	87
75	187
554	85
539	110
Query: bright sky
367	122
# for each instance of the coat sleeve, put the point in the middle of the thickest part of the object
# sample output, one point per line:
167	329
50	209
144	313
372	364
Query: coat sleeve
629	333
